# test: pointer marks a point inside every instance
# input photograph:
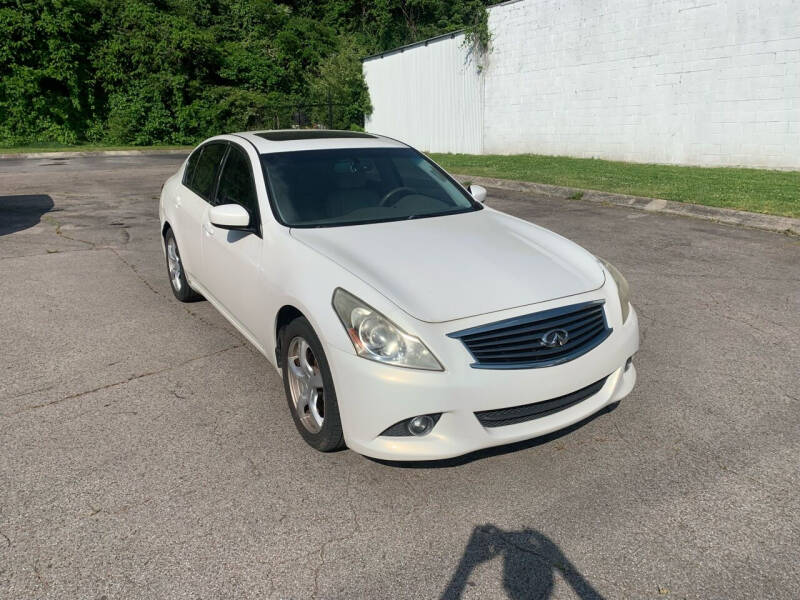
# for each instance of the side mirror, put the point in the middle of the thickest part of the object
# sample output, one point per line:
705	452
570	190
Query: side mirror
229	216
478	192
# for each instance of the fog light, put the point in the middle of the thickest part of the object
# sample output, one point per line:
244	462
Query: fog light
420	425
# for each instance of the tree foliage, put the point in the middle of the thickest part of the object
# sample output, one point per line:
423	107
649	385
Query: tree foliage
174	71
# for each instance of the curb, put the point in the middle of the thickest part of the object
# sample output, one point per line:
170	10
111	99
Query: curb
787	225
84	153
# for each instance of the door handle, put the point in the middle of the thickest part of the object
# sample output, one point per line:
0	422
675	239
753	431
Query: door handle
208	229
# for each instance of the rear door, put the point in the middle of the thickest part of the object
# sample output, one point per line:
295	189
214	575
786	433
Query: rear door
233	258
192	204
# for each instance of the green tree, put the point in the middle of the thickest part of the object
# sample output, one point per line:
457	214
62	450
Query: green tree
43	70
175	71
338	78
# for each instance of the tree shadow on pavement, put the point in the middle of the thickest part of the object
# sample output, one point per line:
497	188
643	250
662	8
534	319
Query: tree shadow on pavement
23	211
531	561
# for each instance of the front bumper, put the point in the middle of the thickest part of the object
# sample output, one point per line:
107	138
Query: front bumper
372	397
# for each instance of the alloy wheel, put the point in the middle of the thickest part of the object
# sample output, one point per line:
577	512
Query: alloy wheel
174	263
305	384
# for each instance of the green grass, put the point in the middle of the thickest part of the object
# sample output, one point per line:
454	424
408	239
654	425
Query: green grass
757	190
56	147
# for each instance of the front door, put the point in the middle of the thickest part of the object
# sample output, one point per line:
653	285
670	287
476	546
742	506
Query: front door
233	258
192	203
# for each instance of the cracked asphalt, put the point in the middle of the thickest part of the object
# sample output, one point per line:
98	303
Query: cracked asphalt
146	450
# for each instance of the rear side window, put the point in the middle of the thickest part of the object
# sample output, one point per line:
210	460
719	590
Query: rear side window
188	174
236	183
205	173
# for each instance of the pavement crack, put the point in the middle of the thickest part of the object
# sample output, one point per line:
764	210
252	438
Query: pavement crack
39	575
135	271
28	393
52	221
356	528
6	538
528	550
621	436
150	286
45	253
124	381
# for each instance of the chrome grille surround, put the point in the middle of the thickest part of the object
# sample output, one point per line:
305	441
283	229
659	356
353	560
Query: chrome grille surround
519	342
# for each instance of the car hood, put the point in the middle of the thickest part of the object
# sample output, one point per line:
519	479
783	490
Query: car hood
445	268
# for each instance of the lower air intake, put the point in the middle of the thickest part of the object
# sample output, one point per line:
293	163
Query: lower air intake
519	414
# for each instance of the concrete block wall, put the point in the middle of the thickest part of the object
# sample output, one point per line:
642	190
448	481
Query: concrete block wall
707	82
703	82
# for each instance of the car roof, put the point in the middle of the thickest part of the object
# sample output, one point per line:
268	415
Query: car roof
292	140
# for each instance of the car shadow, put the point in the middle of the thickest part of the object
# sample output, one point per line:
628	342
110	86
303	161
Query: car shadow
22	211
496	450
531	562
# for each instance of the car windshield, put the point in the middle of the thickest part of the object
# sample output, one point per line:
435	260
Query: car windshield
329	188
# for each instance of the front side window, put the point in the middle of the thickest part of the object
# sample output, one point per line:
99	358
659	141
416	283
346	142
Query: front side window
328	188
236	185
206	170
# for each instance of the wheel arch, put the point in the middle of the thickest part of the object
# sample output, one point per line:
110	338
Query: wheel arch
284	316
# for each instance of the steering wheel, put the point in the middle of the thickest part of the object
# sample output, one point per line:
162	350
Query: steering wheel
390	200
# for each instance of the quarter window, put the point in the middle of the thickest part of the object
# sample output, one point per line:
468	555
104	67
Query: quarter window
188	174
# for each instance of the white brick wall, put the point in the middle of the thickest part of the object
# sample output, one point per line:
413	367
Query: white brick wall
711	82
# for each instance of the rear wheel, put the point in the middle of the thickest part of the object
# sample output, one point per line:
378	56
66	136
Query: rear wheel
177	276
309	388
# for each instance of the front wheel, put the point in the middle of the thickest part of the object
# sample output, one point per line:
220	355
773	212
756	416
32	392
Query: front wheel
309	388
177	276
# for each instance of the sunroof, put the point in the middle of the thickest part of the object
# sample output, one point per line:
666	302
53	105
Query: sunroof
310	134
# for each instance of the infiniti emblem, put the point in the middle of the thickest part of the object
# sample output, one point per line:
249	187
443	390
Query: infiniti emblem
555	338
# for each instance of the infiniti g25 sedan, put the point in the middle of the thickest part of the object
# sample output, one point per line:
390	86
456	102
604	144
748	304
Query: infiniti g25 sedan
408	320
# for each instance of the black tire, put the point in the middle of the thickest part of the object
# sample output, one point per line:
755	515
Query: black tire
330	436
181	289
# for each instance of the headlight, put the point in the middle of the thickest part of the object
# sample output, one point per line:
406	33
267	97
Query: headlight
622	288
375	337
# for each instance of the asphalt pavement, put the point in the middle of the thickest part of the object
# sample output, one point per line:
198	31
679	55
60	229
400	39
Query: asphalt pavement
147	451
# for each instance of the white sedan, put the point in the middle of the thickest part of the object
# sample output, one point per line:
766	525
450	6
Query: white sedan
409	320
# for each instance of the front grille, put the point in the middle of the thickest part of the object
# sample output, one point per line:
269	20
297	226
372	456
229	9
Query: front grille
528	412
527	342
